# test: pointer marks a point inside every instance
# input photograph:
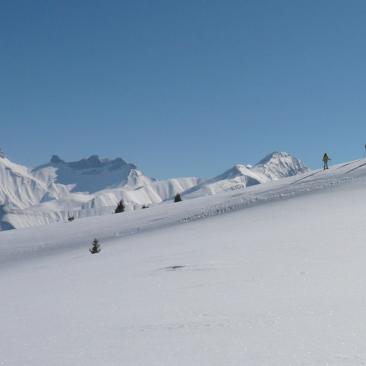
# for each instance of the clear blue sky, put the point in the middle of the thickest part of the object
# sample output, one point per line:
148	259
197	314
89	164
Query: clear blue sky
182	87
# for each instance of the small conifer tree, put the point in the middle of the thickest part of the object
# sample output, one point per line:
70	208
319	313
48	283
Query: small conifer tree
177	198
120	207
95	247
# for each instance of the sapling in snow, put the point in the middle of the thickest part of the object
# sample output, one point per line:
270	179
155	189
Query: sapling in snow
120	207
177	198
95	247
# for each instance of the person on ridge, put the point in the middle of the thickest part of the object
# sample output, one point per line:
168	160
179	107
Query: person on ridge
326	158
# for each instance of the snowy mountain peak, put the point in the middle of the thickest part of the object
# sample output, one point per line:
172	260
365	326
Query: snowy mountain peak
86	175
275	155
278	165
137	179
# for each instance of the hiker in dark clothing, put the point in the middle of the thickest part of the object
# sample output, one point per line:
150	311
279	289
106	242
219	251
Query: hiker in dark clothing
326	158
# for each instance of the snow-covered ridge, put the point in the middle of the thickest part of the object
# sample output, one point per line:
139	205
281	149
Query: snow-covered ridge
274	166
93	186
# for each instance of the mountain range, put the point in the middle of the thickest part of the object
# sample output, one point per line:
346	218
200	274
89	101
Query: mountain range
53	191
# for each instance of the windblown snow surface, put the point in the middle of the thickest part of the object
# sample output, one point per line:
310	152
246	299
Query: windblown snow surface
270	275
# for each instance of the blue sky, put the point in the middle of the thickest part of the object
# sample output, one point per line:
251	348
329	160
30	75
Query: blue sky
182	87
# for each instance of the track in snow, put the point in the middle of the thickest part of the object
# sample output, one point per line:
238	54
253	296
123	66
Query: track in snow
307	176
360	166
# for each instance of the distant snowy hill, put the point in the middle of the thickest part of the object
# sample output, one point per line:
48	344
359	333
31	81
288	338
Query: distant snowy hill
93	186
273	167
237	177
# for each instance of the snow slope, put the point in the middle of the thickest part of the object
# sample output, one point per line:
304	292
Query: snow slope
270	275
20	189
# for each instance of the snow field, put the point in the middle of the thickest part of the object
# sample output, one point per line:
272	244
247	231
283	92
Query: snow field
276	280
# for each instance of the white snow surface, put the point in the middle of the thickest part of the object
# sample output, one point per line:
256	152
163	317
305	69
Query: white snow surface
269	275
91	187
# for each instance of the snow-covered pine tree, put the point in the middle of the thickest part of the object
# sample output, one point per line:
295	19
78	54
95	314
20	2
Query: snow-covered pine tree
95	247
177	198
120	207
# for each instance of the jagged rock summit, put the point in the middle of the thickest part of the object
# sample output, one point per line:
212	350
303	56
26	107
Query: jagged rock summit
86	175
